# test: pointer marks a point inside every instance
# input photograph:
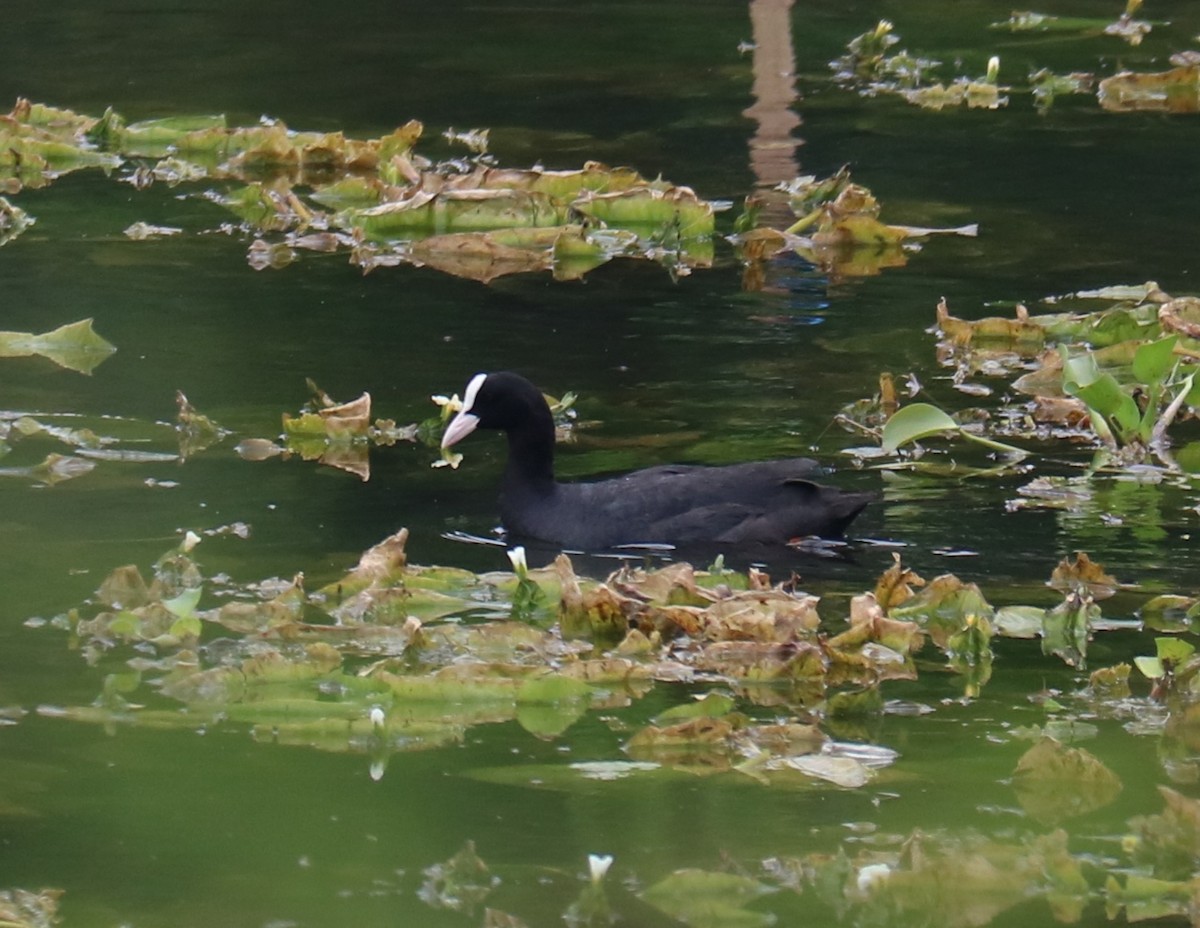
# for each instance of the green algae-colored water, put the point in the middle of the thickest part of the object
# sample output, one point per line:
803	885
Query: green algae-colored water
145	824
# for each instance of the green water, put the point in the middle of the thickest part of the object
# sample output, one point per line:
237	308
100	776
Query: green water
143	826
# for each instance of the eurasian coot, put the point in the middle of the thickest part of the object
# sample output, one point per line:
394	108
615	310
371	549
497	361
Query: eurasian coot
767	502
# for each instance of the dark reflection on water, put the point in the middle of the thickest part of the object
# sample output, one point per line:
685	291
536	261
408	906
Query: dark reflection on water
150	827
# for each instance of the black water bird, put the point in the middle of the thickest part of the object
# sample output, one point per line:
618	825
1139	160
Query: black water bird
765	502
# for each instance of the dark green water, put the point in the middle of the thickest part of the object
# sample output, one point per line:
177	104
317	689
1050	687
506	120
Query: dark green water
150	827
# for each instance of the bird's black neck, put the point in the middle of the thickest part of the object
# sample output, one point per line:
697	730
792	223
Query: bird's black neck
531	454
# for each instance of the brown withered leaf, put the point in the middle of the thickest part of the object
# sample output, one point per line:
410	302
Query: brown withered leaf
761	243
353	459
1066	411
784	739
1175	91
674	584
1018	333
944	608
351	418
761	661
1054	782
478	256
1171	839
596	613
771	616
1181	315
124	588
258	449
668	622
896	584
1083	575
496	918
868	623
699	744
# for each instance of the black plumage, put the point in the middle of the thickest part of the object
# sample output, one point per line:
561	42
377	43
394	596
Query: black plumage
765	502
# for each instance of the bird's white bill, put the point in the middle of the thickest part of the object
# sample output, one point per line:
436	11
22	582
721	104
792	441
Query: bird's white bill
459	428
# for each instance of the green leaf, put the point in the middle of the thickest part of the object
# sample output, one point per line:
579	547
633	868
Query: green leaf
1193	390
1153	360
126	624
184	605
1188	457
1105	396
1079	370
914	422
709	898
186	628
713	705
1175	650
1150	667
74	346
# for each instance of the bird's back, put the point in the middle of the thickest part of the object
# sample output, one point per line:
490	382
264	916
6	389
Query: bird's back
760	502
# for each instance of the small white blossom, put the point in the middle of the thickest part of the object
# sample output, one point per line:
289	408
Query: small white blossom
872	875
598	865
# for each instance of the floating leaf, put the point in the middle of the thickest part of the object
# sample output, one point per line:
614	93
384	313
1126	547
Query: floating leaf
914	422
841	771
142	231
677	213
13	221
709	899
1083	575
21	908
75	346
1022	332
1176	91
895	585
460	884
1054	782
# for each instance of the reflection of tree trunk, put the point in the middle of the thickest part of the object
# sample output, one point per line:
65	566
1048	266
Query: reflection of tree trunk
773	148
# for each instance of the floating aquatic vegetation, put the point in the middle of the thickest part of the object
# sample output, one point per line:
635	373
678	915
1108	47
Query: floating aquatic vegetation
142	231
1122	375
870	67
966	877
838	229
21	908
336	434
915	421
1171	668
458	884
13	221
196	431
1124	27
1175	91
398	657
75	346
706	897
376	200
868	63
1169	842
1127	28
1046	86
